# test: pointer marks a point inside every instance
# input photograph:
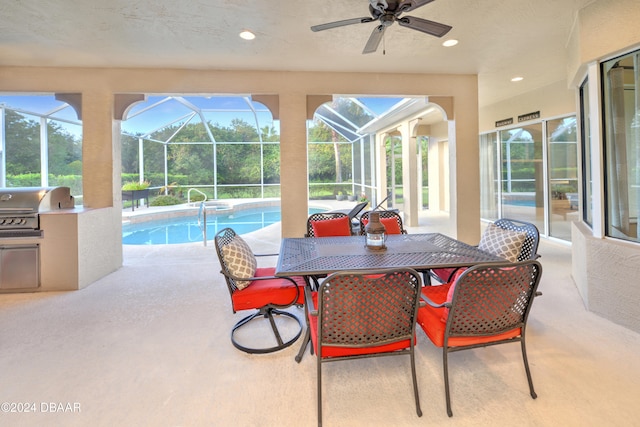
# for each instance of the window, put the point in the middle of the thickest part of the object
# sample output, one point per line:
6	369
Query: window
587	180
525	178
222	146
40	143
621	98
563	175
522	174
489	176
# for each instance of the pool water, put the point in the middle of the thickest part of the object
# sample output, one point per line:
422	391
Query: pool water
187	230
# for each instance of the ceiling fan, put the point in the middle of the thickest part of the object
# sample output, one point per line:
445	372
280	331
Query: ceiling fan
388	12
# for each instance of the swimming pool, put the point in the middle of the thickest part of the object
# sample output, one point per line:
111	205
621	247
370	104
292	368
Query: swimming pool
186	229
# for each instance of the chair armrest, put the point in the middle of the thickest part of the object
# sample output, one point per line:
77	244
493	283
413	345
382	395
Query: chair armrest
265	255
251	279
229	275
433	304
309	302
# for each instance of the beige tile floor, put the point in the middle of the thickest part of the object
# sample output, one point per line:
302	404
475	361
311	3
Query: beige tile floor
148	345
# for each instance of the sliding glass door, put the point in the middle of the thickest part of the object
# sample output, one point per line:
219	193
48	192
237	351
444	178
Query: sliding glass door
523	178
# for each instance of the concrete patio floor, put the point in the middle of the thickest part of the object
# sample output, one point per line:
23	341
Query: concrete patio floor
148	345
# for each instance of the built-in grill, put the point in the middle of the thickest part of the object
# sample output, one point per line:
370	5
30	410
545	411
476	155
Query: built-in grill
21	237
20	208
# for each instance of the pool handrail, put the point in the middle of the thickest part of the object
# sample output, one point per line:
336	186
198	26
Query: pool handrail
202	220
195	189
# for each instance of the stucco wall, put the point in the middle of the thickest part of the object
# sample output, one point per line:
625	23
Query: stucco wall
602	29
553	100
605	270
606	273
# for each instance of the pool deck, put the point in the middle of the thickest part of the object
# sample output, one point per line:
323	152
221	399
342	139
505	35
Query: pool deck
149	213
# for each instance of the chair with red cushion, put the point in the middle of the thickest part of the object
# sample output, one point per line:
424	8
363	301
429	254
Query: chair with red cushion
485	305
391	220
355	315
255	288
328	224
528	248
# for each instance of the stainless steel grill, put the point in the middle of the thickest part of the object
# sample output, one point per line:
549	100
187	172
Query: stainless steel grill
20	208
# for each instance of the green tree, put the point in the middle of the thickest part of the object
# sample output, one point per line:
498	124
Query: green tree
64	150
22	144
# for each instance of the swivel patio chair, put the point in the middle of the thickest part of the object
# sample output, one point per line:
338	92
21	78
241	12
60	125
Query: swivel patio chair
497	239
328	224
357	315
391	220
485	305
256	288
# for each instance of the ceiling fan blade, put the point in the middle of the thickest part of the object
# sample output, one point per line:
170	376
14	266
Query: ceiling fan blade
433	28
409	5
374	39
342	23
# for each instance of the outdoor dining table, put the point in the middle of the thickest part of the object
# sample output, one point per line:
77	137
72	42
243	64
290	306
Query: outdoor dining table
318	256
313	257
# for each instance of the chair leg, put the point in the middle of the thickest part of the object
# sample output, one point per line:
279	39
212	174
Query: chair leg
268	313
426	278
305	342
526	368
307	333
415	383
445	365
319	374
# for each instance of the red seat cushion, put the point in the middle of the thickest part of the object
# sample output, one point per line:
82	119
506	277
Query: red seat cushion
260	293
430	320
332	227
333	351
443	293
437	294
391	225
444	273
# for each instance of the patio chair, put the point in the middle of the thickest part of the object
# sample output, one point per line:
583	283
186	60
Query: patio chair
357	315
497	243
328	224
256	288
485	305
391	220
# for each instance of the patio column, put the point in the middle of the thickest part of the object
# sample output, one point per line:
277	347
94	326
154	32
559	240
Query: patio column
100	155
381	170
293	164
410	173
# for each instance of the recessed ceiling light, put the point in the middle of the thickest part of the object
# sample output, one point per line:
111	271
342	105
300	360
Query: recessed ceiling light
450	42
247	35
517	79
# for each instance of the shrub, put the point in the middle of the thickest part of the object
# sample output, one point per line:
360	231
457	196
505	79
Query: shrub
132	186
165	201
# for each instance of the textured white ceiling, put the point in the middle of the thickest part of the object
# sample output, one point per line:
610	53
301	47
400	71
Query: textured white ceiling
499	39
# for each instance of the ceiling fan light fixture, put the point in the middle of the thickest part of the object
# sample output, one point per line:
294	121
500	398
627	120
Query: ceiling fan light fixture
387	12
450	42
247	35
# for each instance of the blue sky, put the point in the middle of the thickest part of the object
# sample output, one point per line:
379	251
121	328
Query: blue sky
216	109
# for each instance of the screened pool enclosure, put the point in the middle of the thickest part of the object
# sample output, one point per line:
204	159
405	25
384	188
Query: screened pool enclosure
195	147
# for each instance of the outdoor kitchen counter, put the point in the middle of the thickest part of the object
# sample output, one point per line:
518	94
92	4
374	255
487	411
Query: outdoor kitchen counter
77	247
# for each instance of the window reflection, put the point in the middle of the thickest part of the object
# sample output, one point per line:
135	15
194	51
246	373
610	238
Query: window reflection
621	83
563	176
